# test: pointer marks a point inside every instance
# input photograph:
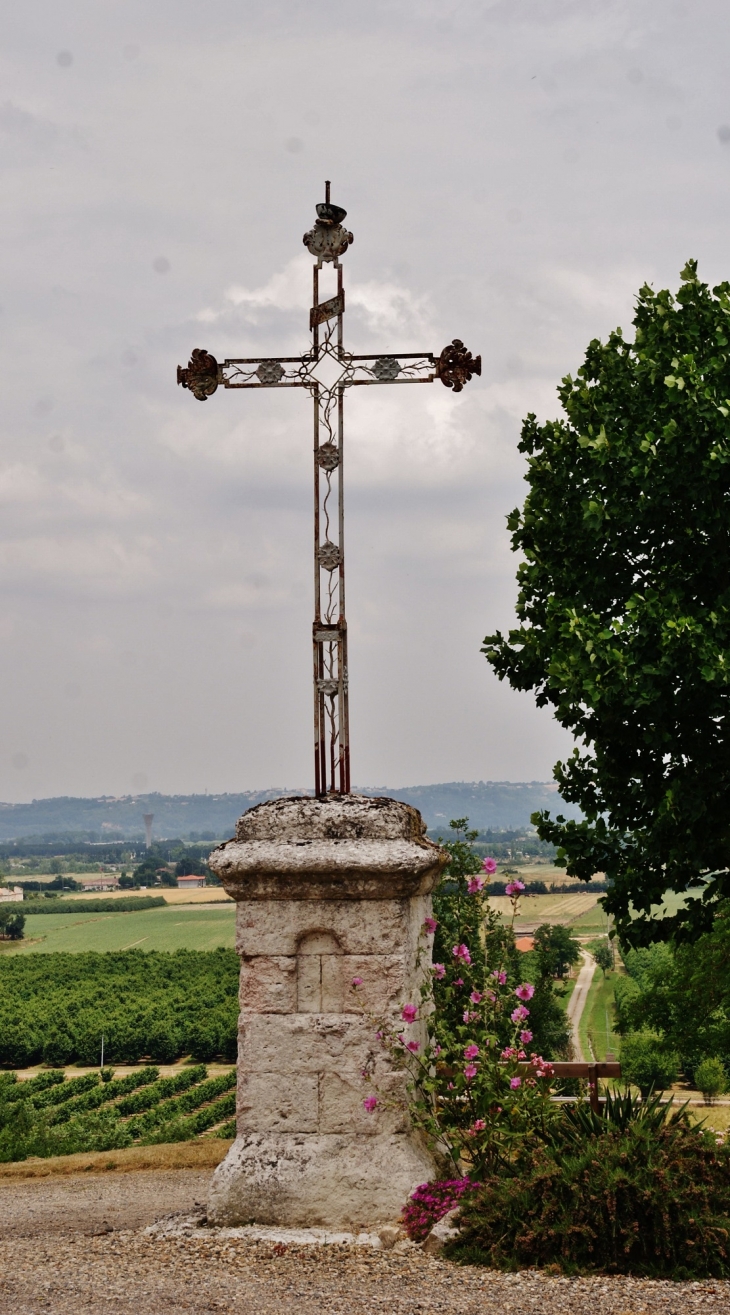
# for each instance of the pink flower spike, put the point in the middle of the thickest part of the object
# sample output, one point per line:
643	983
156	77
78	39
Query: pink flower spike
409	1013
470	1072
490	865
369	1103
525	1037
462	952
438	970
475	885
357	981
476	997
515	1083
471	1051
413	1046
519	1014
430	925
500	976
525	991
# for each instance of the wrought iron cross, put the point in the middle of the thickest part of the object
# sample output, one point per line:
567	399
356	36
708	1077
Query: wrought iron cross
326	371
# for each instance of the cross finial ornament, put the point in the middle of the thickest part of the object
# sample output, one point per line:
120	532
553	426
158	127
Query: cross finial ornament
327	370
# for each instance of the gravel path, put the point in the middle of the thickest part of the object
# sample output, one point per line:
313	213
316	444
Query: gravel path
577	1001
67	1271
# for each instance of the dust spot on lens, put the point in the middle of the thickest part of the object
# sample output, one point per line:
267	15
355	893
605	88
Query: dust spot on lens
635	75
723	133
64	59
161	265
131	51
20	761
294	145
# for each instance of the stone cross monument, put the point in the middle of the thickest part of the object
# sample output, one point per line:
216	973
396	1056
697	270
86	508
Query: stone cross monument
328	888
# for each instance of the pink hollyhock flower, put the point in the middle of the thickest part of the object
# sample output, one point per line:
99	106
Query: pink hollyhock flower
475	997
357	981
430	925
470	1072
525	991
458	982
451	1086
471	1051
477	1126
526	1037
438	970
462	952
378	1036
514	888
519	1014
413	1046
436	1050
409	1013
490	865
500	976
509	1053
475	885
515	1083
369	1103
521	1054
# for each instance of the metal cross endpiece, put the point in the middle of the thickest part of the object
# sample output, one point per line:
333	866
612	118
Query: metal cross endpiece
327	371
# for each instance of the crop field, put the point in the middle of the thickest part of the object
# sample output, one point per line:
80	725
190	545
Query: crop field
177	927
555	909
54	1115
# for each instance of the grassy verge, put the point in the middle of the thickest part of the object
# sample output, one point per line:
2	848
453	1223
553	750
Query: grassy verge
169	928
596	1024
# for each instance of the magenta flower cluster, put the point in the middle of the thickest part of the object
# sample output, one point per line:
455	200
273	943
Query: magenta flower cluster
430	1202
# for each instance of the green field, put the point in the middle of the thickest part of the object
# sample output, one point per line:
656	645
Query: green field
187	927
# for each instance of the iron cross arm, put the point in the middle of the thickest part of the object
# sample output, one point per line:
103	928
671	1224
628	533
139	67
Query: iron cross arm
454	366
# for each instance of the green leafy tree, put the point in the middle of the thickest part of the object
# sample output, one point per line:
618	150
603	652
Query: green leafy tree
556	950
12	923
646	1063
624	607
710	1078
603	955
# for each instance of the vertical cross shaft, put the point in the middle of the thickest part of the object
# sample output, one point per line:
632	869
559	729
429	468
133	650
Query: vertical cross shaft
326	371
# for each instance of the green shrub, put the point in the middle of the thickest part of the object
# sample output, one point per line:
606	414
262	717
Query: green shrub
647	1193
646	1064
710	1078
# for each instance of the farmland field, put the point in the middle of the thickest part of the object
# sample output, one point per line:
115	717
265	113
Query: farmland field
189	927
536	909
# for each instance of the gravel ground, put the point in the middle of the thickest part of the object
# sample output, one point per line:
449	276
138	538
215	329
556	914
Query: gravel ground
53	1259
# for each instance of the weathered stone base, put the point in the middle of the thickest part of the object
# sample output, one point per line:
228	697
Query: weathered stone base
317	1181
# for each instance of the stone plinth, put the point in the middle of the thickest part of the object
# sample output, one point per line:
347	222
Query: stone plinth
326	890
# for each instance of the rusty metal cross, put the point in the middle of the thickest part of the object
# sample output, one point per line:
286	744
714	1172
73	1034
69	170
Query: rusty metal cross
327	371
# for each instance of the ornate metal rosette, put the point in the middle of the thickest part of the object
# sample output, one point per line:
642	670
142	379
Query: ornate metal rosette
386	367
328	456
456	365
201	375
329	555
328	687
270	372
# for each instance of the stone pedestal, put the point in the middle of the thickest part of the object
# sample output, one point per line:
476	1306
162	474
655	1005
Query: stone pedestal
326	890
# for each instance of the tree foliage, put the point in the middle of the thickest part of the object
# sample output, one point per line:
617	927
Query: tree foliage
624	606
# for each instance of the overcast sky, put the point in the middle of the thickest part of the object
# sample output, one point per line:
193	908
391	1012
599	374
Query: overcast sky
512	171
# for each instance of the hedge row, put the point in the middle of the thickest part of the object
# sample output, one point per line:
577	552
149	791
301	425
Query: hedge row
126	904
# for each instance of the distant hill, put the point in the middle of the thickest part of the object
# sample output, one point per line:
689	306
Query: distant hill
489	805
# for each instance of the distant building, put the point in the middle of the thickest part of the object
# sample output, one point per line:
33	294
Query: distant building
190	883
524	943
13	896
100	881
